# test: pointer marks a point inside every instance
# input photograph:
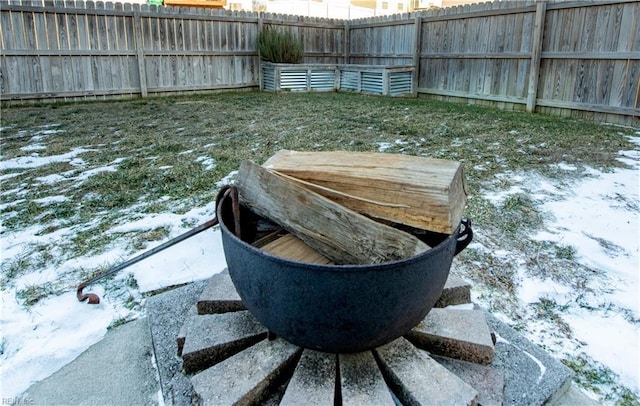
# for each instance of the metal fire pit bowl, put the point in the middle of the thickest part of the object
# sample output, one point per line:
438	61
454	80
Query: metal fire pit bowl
337	308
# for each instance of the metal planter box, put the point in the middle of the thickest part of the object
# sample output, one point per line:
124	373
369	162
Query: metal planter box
372	79
298	77
383	80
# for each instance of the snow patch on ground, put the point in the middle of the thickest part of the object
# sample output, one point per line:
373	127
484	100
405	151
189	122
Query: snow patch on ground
599	217
35	160
38	342
208	162
384	146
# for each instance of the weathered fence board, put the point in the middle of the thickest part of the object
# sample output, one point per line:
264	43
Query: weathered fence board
588	59
592	62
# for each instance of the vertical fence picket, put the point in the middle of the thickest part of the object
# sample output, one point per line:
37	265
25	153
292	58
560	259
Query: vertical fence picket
536	49
139	46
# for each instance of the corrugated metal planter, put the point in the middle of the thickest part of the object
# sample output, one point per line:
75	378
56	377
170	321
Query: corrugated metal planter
373	79
384	80
298	77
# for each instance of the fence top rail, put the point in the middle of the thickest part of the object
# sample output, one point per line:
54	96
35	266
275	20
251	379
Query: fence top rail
270	20
304	66
479	14
125	9
575	4
390	23
185	13
460	12
129	10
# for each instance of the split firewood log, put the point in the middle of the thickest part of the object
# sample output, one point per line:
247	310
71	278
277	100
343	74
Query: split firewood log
425	193
338	233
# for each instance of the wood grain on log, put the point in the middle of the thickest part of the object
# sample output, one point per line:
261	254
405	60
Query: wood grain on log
340	234
424	193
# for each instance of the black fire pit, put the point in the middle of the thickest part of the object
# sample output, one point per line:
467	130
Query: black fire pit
337	308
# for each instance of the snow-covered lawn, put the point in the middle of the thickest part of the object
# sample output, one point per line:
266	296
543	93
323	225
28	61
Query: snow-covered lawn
598	219
588	313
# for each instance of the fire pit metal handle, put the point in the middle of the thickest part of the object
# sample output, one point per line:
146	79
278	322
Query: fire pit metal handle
465	235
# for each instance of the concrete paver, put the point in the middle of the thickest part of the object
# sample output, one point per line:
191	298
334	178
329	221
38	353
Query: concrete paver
418	379
212	338
115	371
455	333
219	296
313	382
361	381
246	377
456	291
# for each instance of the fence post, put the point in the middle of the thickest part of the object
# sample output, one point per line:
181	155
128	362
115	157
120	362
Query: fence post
536	50
347	41
417	46
137	29
260	27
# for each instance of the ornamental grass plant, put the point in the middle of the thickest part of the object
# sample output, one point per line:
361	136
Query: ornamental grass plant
279	46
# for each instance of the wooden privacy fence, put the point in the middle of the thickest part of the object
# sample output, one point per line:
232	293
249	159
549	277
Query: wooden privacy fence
70	49
577	58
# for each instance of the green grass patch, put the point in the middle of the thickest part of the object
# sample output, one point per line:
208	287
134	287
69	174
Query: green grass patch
34	293
519	215
548	309
119	322
593	376
12	268
152	149
141	240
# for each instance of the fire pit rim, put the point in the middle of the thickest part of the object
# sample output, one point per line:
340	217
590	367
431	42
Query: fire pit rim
463	233
344	267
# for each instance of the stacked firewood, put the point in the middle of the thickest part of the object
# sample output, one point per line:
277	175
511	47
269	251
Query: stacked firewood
342	207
